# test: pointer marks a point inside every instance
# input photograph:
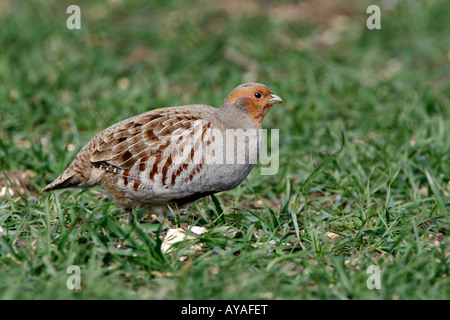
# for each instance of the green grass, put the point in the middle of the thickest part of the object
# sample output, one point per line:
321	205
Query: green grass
385	196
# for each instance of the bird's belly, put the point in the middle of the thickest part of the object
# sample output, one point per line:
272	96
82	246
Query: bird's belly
182	171
177	184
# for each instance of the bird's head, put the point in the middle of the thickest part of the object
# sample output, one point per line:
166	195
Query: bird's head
255	99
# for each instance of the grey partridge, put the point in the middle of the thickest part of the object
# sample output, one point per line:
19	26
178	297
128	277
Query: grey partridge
170	157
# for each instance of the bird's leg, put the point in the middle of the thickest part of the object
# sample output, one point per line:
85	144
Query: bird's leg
128	215
167	222
164	218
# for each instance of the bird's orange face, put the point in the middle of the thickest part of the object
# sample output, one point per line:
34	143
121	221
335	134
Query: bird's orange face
257	100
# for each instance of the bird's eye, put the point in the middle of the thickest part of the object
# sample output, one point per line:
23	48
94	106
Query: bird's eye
257	95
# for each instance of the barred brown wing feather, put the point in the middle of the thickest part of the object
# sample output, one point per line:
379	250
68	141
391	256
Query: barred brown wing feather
146	136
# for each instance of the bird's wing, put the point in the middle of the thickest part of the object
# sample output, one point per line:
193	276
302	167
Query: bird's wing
146	139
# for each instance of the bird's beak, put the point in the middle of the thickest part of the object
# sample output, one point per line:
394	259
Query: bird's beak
275	99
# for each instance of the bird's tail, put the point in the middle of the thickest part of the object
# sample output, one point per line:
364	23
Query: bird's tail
66	180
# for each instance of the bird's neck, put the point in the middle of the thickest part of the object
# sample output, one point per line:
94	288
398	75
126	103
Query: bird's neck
233	116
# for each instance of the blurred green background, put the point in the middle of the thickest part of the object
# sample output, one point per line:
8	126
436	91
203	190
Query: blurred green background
385	195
